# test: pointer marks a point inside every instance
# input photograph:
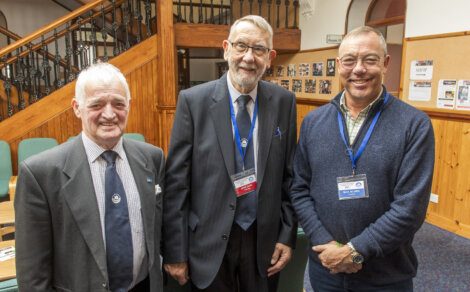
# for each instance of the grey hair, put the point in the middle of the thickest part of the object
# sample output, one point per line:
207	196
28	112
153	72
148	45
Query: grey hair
99	74
365	30
259	22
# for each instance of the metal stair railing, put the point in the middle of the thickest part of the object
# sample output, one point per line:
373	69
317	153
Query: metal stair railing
51	57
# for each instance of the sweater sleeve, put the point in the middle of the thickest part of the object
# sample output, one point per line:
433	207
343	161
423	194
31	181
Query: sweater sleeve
410	196
300	196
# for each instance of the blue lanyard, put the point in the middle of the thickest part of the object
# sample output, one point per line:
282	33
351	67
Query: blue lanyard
242	150
364	142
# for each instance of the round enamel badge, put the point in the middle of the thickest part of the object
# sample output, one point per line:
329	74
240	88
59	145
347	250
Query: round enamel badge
116	198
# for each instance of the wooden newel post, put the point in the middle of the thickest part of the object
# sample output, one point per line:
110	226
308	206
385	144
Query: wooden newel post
166	80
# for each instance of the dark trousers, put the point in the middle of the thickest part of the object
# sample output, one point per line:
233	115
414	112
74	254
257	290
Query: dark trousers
142	286
239	270
323	281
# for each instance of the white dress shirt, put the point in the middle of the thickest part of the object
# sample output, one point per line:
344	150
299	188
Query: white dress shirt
98	168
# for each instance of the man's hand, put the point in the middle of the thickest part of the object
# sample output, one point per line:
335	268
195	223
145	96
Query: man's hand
281	256
336	257
178	271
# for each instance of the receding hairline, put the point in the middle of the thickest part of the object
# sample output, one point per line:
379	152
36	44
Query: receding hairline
257	21
365	30
93	77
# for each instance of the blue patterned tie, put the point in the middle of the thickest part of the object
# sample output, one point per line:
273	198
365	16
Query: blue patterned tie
245	213
119	251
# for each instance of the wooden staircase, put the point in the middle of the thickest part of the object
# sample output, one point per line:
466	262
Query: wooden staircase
150	67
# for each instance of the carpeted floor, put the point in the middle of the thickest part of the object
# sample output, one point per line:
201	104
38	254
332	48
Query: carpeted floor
444	261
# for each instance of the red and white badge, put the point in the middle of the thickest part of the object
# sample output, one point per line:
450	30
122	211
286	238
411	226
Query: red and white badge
244	182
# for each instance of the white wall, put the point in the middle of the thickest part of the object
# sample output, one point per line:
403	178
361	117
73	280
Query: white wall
26	16
428	17
329	17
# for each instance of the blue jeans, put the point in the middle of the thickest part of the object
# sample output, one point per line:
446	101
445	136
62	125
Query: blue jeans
323	281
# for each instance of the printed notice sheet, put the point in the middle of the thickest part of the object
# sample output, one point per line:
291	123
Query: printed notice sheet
446	93
420	91
463	98
421	70
7	253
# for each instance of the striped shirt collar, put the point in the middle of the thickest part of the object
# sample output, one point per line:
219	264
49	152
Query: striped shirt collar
93	150
364	111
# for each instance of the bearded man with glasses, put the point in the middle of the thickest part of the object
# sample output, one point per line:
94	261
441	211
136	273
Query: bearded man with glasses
362	177
228	221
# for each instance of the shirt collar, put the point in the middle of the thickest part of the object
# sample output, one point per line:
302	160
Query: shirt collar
234	93
94	151
345	109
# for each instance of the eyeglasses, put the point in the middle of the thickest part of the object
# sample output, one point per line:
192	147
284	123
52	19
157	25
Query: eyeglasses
242	48
349	62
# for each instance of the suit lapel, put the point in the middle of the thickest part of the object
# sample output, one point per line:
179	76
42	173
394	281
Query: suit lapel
79	193
145	180
266	116
220	113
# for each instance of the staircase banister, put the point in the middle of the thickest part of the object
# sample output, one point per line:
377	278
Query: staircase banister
16	37
63	20
9	34
51	38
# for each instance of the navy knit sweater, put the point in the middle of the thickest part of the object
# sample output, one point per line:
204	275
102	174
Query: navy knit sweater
398	162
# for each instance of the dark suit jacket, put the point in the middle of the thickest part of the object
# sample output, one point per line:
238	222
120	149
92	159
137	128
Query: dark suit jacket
59	243
200	202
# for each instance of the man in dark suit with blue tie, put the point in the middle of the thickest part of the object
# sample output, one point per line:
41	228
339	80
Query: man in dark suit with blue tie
228	221
88	212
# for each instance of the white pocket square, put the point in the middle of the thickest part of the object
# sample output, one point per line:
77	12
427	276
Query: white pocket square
158	189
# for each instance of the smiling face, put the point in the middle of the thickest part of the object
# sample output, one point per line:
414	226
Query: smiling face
362	82
103	113
246	69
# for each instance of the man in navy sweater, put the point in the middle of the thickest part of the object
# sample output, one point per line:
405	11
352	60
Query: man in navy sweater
362	177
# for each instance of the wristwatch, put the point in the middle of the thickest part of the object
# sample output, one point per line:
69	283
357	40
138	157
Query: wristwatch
357	258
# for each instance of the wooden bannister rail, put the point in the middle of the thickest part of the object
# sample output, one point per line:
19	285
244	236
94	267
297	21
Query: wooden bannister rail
16	37
56	35
50	27
52	56
9	34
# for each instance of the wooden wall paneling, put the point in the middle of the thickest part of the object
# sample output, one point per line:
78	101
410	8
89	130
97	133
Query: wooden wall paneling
167	72
302	111
451	180
53	116
190	35
462	196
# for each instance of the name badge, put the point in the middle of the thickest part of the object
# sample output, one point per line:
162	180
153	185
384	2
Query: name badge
244	182
352	187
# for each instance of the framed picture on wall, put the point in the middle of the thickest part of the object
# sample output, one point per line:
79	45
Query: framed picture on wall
304	69
280	71
330	67
285	84
325	86
310	85
317	69
291	70
296	85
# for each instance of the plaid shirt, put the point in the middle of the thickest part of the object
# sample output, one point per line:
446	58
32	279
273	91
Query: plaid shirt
353	125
